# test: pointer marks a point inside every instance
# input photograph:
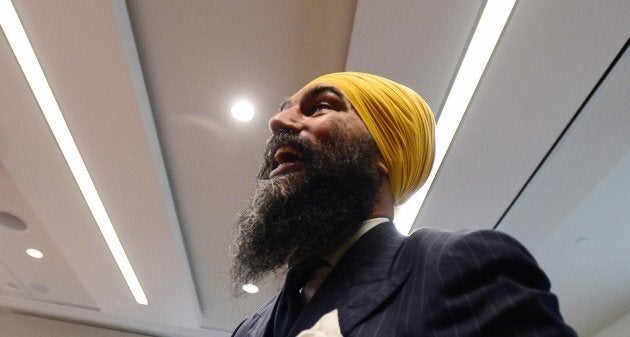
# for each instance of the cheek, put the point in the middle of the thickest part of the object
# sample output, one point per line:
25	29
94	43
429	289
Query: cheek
360	128
339	129
327	129
321	130
354	127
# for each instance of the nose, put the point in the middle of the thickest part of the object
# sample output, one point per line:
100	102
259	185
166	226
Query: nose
288	119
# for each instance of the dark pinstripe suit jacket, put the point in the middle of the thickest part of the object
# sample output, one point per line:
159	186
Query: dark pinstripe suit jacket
432	283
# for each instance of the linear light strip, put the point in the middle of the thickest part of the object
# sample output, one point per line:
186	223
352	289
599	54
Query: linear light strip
34	74
481	46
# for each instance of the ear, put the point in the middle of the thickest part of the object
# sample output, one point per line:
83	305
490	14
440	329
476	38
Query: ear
381	167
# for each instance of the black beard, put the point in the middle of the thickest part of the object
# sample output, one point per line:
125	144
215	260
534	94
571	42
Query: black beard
308	213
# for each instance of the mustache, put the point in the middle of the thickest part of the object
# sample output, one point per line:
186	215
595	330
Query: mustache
283	138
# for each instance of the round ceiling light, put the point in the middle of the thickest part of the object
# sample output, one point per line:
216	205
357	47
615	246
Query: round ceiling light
242	111
34	253
10	221
250	288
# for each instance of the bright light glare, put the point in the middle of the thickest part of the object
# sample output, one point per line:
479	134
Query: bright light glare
34	253
482	44
32	70
242	111
250	288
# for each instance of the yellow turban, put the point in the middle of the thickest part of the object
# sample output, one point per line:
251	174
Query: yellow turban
400	122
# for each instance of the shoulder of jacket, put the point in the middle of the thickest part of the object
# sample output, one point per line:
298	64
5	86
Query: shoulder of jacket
436	240
435	237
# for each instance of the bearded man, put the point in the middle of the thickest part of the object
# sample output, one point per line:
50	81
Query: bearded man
345	149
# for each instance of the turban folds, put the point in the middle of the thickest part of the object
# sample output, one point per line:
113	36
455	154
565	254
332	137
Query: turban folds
400	122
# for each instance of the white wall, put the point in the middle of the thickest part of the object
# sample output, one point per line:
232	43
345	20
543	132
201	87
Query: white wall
619	328
18	325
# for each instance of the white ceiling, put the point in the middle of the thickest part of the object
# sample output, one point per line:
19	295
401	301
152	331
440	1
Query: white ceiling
145	87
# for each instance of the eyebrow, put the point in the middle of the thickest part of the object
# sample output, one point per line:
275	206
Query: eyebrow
314	92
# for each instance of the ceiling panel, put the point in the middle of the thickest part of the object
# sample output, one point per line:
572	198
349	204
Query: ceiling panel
574	213
24	161
541	72
90	73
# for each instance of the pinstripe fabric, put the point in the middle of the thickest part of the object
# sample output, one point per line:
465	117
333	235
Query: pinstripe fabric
432	283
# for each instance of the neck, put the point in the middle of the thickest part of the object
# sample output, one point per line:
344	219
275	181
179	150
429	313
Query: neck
384	205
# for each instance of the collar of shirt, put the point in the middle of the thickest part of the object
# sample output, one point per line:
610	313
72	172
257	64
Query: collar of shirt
365	227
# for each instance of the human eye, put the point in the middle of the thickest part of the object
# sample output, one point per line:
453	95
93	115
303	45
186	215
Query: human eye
319	107
322	105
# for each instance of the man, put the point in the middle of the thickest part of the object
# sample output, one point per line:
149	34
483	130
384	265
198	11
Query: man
345	149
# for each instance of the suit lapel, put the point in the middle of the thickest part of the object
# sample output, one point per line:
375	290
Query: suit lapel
363	279
260	320
363	299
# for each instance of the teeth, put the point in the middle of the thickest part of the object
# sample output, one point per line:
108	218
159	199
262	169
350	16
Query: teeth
287	154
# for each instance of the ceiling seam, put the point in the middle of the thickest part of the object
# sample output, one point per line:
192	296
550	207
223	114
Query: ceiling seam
92	324
132	48
564	131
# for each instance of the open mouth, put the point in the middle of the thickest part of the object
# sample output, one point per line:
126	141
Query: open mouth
286	159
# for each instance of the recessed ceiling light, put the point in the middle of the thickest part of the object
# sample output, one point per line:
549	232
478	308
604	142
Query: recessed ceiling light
34	253
25	55
489	28
242	111
250	288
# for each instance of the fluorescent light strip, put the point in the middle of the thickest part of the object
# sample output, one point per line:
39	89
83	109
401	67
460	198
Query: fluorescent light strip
484	40
43	94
